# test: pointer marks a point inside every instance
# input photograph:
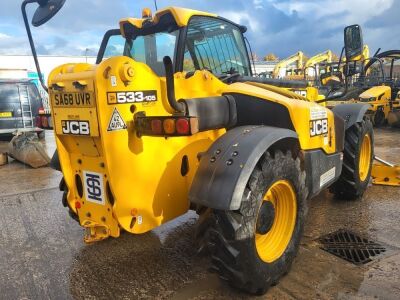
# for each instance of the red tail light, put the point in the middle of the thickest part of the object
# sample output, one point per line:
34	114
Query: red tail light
182	126
166	126
45	123
38	121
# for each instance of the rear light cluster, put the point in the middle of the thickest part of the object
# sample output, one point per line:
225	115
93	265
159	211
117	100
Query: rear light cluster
166	126
43	121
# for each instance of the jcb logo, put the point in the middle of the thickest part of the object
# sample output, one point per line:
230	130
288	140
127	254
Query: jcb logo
318	127
75	127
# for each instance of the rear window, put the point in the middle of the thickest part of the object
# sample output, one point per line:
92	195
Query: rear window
9	92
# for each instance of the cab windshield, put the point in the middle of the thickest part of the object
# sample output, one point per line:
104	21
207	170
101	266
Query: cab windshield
149	49
209	43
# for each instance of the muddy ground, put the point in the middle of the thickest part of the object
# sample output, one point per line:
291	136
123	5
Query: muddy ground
43	256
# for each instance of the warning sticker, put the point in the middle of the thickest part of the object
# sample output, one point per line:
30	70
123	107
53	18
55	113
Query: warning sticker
116	121
317	113
327	176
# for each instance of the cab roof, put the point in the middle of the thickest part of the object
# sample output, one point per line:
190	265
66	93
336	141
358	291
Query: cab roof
181	16
375	91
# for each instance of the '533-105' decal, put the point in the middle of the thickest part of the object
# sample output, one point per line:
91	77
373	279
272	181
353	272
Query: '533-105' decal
131	97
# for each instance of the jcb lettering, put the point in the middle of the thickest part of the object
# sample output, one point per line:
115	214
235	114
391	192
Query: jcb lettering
318	127
75	127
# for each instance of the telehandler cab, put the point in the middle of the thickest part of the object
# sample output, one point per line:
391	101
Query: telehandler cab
171	119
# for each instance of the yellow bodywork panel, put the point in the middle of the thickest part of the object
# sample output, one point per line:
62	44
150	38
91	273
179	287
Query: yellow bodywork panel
181	16
119	180
302	114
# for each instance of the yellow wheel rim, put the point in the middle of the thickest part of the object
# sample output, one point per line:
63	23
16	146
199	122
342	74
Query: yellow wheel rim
365	157
271	245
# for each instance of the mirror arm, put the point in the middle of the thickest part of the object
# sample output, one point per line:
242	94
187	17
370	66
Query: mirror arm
252	64
33	49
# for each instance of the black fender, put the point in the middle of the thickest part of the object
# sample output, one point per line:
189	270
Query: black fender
225	168
351	113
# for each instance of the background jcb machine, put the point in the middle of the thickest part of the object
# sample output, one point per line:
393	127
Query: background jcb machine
384	98
291	66
244	155
311	67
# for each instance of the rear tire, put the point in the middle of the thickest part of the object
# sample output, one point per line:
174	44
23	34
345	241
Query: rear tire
356	171
240	241
63	188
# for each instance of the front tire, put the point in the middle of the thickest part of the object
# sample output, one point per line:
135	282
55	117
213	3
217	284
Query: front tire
379	118
253	247
357	162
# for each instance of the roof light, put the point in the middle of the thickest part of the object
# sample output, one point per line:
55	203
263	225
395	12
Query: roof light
146	13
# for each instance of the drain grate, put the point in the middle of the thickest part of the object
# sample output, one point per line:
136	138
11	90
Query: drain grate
351	247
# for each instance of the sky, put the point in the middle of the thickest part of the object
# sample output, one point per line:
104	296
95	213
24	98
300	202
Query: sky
280	27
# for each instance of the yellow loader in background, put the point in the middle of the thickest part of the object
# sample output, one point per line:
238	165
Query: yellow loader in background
142	137
363	80
380	100
314	62
291	66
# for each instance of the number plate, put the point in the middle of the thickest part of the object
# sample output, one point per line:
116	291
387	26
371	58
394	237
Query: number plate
131	97
6	114
80	99
94	188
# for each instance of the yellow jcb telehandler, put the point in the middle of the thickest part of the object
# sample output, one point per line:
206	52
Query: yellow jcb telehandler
384	97
142	137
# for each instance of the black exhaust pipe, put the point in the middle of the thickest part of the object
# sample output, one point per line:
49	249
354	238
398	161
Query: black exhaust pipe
169	76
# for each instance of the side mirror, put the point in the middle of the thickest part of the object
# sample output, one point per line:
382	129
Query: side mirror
46	10
353	41
242	29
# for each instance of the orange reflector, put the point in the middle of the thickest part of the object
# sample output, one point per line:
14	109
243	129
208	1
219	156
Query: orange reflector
169	126
77	205
156	126
146	13
182	126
